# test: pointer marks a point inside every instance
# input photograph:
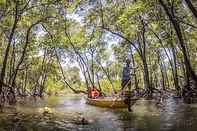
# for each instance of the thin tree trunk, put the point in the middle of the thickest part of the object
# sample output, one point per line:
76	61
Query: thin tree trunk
191	7
174	70
92	65
108	77
25	82
84	74
134	72
5	59
24	49
99	85
88	70
176	80
12	63
161	70
189	70
146	70
64	77
44	75
145	66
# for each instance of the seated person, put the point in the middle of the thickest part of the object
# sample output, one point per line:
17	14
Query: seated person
94	93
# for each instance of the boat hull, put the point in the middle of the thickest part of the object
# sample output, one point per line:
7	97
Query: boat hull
108	102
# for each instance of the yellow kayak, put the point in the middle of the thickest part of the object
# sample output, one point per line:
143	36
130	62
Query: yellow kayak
109	102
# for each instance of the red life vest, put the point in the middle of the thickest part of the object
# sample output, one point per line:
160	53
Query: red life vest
94	93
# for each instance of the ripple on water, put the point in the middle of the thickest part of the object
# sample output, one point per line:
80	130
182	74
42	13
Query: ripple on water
145	116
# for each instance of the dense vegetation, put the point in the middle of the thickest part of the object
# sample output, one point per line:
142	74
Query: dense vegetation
50	45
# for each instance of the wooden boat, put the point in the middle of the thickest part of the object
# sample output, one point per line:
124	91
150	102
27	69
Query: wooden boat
109	102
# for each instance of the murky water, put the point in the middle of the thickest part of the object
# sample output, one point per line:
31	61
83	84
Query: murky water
146	116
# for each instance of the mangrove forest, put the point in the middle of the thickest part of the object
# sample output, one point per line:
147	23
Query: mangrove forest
98	65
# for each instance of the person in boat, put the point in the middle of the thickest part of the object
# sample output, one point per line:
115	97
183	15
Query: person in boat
126	83
94	93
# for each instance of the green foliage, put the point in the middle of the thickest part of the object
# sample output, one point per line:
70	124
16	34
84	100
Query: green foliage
2	2
54	85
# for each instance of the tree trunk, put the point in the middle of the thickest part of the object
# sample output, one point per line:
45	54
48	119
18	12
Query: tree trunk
84	73
146	77
108	77
175	74
24	50
134	72
5	59
161	70
189	70
174	70
64	77
191	7
88	70
142	47
99	85
12	63
92	65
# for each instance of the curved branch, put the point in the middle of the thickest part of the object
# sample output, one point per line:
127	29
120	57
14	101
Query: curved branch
64	77
123	37
191	7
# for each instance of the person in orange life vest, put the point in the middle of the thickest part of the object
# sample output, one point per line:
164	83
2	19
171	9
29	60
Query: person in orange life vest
95	93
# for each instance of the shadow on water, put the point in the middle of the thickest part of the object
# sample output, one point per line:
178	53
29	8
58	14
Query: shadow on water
146	116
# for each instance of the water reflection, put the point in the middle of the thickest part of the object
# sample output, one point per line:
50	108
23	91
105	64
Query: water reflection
146	116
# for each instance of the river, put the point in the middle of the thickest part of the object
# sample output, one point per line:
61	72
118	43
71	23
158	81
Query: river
66	113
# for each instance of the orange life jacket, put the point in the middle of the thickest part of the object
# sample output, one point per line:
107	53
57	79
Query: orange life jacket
94	93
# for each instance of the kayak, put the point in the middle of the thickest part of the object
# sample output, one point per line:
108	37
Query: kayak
109	102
